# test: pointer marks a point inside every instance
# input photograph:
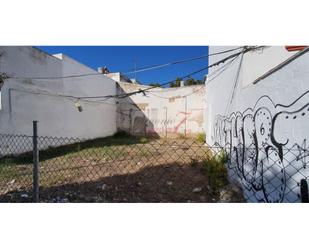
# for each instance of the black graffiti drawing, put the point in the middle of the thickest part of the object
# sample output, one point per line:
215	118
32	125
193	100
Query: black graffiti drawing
303	153
266	146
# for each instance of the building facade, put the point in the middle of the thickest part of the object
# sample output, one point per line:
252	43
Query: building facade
38	88
257	109
163	112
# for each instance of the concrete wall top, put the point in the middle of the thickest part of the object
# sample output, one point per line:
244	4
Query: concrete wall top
28	62
31	62
24	100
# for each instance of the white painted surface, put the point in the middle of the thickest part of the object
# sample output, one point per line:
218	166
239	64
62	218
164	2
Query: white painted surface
271	115
57	116
162	111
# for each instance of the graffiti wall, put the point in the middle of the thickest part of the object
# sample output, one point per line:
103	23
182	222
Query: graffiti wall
162	112
265	132
269	163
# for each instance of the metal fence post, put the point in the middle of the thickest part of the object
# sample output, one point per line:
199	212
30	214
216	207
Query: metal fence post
35	163
304	191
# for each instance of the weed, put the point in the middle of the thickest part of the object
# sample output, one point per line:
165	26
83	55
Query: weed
143	140
216	171
194	162
201	137
181	136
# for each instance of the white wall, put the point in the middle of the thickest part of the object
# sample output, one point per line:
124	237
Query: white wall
57	116
162	111
270	117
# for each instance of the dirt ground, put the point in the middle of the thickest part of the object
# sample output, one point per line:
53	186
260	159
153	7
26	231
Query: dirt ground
118	170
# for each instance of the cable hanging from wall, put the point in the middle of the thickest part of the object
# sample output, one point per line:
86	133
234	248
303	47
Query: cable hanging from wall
245	50
142	91
220	70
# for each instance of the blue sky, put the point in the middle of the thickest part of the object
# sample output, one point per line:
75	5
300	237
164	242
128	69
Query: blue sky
121	59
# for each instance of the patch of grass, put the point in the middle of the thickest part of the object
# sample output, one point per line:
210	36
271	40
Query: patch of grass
144	153
215	169
182	136
8	172
201	137
110	152
13	171
107	146
4	162
95	145
143	140
10	160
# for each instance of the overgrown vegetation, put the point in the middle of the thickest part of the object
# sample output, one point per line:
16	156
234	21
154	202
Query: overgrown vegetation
201	137
216	170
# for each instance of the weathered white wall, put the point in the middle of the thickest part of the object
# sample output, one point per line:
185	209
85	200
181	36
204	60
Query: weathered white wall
270	118
57	116
162	111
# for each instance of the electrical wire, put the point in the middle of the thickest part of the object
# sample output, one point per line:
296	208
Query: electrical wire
231	95
218	72
68	97
136	71
245	50
142	69
125	95
76	99
222	69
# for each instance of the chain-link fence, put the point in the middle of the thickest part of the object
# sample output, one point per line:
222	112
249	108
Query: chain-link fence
138	169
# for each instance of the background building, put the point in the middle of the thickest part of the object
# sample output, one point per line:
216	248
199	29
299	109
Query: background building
161	111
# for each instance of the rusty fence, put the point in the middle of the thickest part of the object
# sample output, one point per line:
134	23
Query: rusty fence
124	168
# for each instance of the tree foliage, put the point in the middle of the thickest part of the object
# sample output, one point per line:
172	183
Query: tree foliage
155	84
188	82
175	83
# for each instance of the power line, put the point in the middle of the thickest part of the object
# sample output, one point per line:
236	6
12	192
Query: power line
68	97
135	71
203	85
245	50
231	95
179	61
106	97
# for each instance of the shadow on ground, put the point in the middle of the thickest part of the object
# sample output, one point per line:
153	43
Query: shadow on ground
161	183
65	146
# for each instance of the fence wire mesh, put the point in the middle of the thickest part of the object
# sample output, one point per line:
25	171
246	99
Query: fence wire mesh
138	169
